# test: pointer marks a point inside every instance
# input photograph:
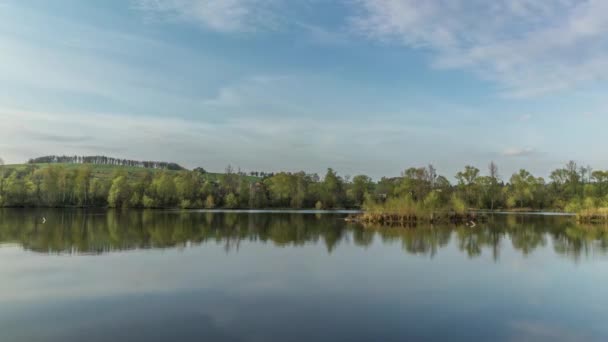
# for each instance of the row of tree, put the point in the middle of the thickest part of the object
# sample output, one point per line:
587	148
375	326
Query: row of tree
104	160
569	188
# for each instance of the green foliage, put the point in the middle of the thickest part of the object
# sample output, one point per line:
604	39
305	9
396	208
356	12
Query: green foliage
458	205
319	205
432	201
77	231
185	204
232	201
164	189
571	188
416	182
149	202
120	192
468	184
362	185
523	184
333	194
258	196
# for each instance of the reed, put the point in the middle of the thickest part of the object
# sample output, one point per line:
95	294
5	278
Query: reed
404	211
592	215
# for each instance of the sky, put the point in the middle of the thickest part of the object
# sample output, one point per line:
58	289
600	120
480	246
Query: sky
362	86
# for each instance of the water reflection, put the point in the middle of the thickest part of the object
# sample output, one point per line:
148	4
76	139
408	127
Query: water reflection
94	232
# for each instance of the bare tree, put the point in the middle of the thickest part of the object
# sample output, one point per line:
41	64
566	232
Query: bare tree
493	169
432	175
585	173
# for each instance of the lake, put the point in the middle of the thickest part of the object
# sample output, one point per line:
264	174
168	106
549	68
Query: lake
289	276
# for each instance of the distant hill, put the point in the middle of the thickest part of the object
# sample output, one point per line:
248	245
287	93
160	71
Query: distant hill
105	160
106	171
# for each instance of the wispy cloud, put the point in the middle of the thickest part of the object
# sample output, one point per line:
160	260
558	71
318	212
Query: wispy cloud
246	91
528	47
217	15
525	117
519	152
543	331
320	35
56	138
251	142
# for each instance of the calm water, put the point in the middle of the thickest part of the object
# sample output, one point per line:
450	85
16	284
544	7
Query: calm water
201	276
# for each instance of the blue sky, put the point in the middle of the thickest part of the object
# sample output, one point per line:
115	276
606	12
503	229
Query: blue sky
363	86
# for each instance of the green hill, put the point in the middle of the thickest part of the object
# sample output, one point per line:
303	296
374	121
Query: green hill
108	171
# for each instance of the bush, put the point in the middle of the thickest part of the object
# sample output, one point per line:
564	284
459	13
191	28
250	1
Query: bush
210	202
185	204
319	205
231	201
149	202
458	205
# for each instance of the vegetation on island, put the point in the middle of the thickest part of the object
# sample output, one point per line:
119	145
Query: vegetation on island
420	191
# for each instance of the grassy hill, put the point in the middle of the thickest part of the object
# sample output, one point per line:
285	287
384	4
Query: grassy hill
106	171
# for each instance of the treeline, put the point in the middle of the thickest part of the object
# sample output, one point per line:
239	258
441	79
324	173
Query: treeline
60	186
571	188
104	160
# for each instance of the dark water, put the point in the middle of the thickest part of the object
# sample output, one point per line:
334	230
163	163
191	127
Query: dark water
200	276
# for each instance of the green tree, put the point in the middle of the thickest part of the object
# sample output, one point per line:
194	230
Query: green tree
601	180
49	185
186	186
82	184
432	202
66	185
523	184
232	201
467	184
100	189
230	180
361	186
301	195
120	192
244	190
257	196
165	190
19	190
282	188
417	182
333	194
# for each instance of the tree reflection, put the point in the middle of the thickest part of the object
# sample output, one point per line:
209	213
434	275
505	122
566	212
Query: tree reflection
81	231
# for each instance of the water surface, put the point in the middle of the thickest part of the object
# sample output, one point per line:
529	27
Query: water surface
287	276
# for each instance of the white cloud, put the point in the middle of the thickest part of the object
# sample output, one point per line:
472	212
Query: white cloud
253	143
217	15
319	35
528	47
518	152
245	92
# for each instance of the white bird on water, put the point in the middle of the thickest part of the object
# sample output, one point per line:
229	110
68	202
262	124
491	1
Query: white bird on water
43	219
